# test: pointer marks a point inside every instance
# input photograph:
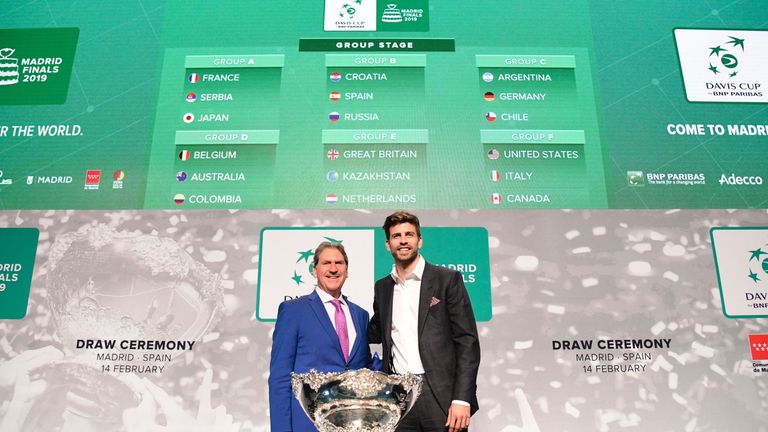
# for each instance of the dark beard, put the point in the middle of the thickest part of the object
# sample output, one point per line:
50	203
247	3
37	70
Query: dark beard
407	262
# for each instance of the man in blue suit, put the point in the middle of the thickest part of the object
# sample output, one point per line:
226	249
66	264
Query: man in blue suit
322	331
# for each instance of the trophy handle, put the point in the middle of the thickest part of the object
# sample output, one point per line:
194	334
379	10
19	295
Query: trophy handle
300	393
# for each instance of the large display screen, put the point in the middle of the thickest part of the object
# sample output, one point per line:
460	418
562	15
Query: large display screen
601	320
374	104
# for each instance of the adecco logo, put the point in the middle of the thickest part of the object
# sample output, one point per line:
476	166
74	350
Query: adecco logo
733	180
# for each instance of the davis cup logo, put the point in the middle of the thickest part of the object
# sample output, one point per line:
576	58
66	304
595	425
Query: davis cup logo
741	260
724	60
758	265
348	11
350	15
286	261
723	65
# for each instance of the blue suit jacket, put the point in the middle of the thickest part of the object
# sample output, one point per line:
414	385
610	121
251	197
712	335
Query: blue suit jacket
305	339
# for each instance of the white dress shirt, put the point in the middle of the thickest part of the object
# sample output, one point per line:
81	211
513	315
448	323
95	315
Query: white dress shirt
331	310
405	320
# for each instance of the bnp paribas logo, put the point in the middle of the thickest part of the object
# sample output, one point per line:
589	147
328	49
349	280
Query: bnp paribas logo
635	178
724	58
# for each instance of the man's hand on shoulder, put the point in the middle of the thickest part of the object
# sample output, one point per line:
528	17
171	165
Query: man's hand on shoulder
458	417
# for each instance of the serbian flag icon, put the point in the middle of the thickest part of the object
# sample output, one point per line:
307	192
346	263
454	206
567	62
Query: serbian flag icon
193	78
758	345
191	97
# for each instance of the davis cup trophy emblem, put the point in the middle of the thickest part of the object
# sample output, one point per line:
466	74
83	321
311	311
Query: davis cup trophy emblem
359	400
9	67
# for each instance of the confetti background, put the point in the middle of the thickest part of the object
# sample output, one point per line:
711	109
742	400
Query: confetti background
556	275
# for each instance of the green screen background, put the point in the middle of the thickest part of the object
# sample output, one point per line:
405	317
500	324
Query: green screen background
128	82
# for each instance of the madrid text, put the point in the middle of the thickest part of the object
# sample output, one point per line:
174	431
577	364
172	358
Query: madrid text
611	356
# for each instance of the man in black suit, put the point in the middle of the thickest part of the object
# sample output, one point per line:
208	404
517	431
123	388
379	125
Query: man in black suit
423	318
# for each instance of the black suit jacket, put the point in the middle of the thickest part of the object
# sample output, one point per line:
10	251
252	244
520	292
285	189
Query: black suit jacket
448	342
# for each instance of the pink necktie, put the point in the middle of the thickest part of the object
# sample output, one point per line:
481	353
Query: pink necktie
341	328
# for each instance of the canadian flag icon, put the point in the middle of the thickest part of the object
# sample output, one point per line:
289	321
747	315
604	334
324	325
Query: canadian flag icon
496	198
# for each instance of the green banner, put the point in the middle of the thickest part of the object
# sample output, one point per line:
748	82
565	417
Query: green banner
18	247
36	64
463	249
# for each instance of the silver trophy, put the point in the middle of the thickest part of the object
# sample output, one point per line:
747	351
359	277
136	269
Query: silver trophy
358	400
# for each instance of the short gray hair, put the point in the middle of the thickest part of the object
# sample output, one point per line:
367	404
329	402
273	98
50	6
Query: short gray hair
329	245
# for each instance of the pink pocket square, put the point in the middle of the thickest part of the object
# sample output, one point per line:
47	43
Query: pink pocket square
434	301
